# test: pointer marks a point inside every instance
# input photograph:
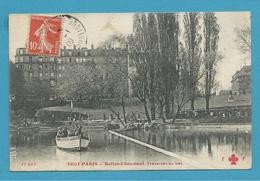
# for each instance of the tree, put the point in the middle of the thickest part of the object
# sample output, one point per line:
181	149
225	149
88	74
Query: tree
81	83
117	71
182	92
168	46
192	39
37	95
244	38
116	40
141	51
211	56
27	96
39	90
154	51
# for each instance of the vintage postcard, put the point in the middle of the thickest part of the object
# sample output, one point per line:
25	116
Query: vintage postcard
130	91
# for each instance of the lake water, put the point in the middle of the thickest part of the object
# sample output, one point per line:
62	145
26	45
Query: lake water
38	151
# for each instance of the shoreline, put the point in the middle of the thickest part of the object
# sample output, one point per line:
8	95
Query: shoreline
209	127
246	128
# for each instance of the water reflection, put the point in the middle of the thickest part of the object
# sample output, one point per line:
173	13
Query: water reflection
192	143
206	146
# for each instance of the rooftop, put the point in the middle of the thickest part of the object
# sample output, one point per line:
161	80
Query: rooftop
79	52
245	70
221	101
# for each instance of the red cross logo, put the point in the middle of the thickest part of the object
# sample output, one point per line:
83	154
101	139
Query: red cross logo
233	159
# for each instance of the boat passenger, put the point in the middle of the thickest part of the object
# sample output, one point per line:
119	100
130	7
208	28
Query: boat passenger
78	131
62	132
73	129
70	129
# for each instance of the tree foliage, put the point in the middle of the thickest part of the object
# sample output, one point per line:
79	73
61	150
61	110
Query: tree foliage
192	40
81	82
154	51
27	96
244	38
211	55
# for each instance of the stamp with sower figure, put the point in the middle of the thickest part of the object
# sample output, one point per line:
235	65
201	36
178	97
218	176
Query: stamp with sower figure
47	34
44	35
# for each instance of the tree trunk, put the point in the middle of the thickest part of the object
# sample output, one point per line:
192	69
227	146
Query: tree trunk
152	109
161	116
193	95
146	111
123	106
192	101
207	97
167	108
173	108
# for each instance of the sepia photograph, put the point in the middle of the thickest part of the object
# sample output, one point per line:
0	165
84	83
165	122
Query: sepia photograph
130	91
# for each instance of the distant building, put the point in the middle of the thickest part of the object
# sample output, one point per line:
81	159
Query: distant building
225	92
241	81
53	69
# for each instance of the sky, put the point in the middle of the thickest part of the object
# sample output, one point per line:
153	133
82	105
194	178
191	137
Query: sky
101	26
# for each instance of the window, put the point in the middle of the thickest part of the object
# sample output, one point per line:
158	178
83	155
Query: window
30	59
21	51
40	74
21	59
52	74
59	60
86	53
60	75
31	74
70	53
40	59
30	67
46	74
40	67
62	53
52	58
60	67
106	77
52	83
63	67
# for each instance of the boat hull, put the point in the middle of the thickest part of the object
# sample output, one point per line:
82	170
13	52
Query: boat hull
72	143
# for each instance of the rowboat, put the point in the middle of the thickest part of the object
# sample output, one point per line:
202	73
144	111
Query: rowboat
72	142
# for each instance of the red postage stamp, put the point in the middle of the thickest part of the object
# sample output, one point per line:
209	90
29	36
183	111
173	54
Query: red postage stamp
44	35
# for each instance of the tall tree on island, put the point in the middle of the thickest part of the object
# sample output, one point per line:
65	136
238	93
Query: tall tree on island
154	51
168	45
211	56
192	40
140	52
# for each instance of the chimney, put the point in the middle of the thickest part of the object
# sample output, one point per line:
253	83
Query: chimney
74	46
92	46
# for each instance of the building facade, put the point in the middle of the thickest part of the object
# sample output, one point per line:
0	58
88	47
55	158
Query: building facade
241	81
53	69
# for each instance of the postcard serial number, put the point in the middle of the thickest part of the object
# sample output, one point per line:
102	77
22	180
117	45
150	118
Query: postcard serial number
28	164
